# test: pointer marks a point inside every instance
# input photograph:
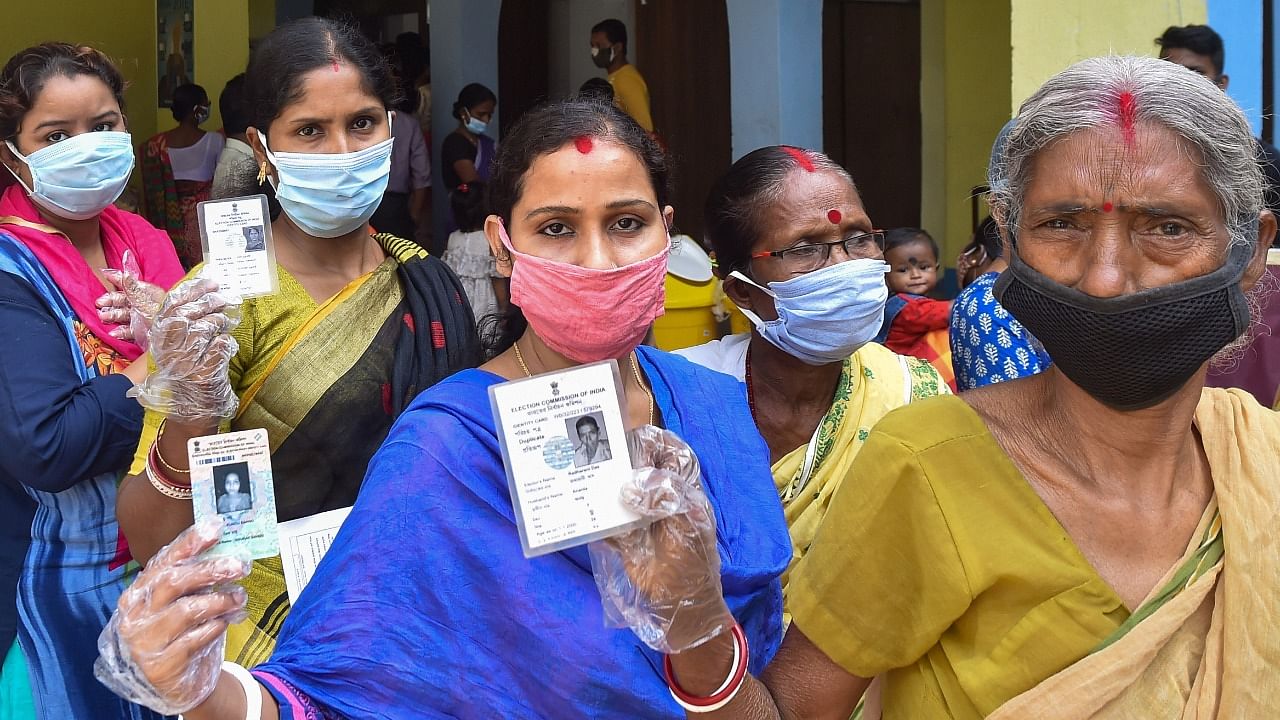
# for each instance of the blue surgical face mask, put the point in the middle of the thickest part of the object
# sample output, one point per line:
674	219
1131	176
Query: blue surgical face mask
826	315
475	125
331	194
79	177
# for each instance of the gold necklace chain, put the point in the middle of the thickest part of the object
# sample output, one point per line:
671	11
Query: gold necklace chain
635	370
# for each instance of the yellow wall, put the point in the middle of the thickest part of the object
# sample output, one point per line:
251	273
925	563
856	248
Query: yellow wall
964	86
123	29
126	30
222	51
1049	35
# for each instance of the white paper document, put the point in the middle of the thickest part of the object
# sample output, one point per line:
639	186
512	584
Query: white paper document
303	542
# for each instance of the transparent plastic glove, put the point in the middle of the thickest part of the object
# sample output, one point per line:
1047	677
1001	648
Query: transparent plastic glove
133	305
663	580
191	345
163	645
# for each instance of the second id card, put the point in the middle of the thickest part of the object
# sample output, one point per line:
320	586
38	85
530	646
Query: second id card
236	235
564	447
231	478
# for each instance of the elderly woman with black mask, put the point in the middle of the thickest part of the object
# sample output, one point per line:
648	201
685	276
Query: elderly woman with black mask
1096	541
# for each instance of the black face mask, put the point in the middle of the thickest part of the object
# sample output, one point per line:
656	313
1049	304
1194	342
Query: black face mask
603	58
1135	350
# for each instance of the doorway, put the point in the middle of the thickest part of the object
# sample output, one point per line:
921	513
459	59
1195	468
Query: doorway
684	52
871	102
523	46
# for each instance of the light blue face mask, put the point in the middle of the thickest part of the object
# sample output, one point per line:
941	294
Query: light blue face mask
331	194
826	315
79	177
475	125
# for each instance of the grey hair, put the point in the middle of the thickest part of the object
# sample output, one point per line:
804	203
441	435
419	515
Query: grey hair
1090	94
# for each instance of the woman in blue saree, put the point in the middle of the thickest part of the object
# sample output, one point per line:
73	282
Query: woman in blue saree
425	606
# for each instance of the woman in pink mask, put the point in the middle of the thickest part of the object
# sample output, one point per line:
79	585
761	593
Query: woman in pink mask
425	605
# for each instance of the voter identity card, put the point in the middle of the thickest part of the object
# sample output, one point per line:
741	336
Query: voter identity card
231	479
236	235
564	447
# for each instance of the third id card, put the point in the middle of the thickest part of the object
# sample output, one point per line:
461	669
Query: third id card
564	447
236	234
231	478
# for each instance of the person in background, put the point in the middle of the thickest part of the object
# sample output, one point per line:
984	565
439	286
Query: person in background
467	153
236	174
415	71
406	203
914	324
360	324
66	364
1199	48
988	344
425	605
800	257
596	88
609	53
469	257
177	171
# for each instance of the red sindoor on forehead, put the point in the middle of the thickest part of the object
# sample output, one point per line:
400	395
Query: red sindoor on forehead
834	216
583	144
1127	115
801	157
1107	206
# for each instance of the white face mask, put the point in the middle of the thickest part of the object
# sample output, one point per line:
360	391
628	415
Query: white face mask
79	177
331	194
824	316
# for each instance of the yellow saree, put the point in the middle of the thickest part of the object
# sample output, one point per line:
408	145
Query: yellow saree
875	381
1211	649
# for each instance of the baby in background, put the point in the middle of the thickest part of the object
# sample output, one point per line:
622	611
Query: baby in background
912	255
914	324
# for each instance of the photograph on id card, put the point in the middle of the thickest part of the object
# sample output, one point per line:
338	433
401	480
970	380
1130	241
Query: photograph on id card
231	479
564	447
236	236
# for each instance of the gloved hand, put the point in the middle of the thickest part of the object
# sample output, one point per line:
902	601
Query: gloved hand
191	344
133	305
163	645
663	580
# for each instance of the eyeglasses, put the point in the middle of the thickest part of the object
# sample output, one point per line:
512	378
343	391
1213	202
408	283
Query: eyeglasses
810	257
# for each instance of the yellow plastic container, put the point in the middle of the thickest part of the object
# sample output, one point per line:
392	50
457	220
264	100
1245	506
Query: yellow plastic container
688	320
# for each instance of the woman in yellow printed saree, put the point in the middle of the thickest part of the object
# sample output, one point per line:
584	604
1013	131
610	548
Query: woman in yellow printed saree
816	384
1098	540
360	323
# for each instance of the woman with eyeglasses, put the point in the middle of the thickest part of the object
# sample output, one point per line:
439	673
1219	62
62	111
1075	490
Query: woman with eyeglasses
799	256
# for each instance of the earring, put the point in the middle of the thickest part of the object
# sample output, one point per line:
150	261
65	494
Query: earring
262	173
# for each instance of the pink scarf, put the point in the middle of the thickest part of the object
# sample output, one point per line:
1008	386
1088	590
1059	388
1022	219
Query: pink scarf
120	231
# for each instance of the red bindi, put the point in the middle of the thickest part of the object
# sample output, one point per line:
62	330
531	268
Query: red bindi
834	216
1108	207
801	157
583	144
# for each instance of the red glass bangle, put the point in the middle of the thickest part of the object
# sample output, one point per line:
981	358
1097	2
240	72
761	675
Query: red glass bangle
154	460
737	675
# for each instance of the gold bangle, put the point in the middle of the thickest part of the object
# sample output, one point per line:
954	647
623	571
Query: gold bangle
156	445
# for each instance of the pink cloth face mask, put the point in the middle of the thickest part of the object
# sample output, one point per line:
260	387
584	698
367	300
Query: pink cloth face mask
585	314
